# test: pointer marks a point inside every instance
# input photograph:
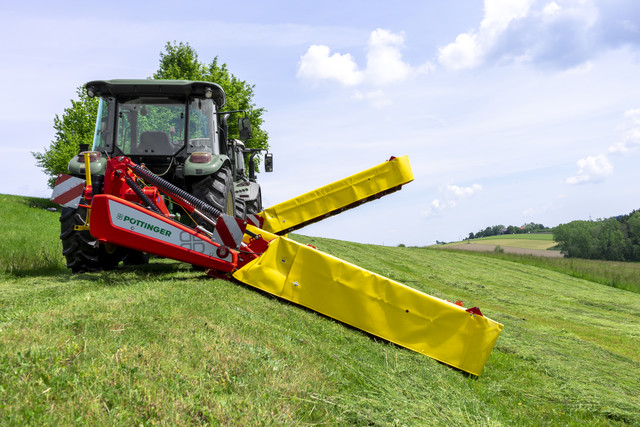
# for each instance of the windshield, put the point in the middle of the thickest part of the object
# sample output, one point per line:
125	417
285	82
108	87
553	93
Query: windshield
153	126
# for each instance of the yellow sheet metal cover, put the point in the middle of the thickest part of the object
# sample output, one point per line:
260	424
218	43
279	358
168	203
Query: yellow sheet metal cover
373	303
337	195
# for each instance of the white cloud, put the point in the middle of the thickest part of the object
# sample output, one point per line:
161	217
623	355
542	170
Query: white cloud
596	168
560	33
452	194
470	48
319	64
551	9
384	62
631	137
592	169
463	192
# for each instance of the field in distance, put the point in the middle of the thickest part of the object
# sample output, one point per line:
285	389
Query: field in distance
531	244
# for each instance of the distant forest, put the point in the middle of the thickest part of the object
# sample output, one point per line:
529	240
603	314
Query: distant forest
498	230
613	239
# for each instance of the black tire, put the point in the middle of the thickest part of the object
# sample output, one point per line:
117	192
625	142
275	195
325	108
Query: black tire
83	251
136	258
217	190
241	209
255	206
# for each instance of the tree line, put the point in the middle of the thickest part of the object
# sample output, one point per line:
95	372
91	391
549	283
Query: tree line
613	239
497	230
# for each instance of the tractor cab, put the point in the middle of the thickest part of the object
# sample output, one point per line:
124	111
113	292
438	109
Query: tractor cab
158	123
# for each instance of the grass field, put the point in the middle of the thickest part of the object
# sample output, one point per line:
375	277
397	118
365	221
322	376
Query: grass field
525	241
164	344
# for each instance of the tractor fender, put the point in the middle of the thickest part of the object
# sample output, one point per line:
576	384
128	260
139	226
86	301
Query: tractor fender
208	168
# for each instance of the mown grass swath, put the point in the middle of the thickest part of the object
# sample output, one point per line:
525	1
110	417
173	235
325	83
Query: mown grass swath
164	344
622	275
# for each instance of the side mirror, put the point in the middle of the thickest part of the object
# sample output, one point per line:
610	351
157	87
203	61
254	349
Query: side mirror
244	128
268	162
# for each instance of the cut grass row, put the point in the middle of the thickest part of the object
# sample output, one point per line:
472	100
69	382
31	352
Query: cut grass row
621	275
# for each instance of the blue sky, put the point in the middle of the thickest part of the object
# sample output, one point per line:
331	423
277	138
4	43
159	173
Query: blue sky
511	111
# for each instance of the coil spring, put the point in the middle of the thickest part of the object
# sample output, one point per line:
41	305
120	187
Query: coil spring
174	191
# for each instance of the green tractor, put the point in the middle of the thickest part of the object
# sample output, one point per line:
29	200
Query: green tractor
177	130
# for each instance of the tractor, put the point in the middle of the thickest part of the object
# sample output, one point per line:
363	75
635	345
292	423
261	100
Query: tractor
177	130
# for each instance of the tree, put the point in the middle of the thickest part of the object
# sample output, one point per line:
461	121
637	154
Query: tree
75	127
179	61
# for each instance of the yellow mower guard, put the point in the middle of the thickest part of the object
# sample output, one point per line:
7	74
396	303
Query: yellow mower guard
373	303
335	197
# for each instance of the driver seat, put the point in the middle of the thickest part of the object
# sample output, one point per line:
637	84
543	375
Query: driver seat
155	142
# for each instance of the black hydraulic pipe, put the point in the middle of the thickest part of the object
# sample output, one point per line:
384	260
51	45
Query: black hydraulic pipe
141	195
174	191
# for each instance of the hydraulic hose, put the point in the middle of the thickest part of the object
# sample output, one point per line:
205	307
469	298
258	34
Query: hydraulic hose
141	195
174	191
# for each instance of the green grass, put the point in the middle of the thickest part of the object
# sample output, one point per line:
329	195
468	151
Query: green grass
164	344
621	275
27	236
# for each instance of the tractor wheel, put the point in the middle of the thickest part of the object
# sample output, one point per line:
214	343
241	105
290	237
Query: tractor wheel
241	209
216	190
255	206
133	257
82	251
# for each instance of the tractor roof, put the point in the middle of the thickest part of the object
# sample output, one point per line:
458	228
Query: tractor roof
142	87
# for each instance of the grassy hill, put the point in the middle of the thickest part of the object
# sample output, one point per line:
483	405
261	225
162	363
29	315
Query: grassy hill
165	344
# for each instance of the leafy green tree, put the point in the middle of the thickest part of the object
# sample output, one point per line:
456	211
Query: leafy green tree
634	235
179	61
574	239
610	241
75	127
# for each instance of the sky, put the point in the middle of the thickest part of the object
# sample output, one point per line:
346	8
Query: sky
511	111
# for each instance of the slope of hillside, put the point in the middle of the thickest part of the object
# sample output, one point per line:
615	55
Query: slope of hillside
166	344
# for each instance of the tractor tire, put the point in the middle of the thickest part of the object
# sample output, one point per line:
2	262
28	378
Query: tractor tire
217	190
133	257
83	251
241	209
255	206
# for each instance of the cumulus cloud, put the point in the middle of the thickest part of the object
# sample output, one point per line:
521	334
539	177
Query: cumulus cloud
470	48
319	64
631	136
384	62
593	169
559	33
451	195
